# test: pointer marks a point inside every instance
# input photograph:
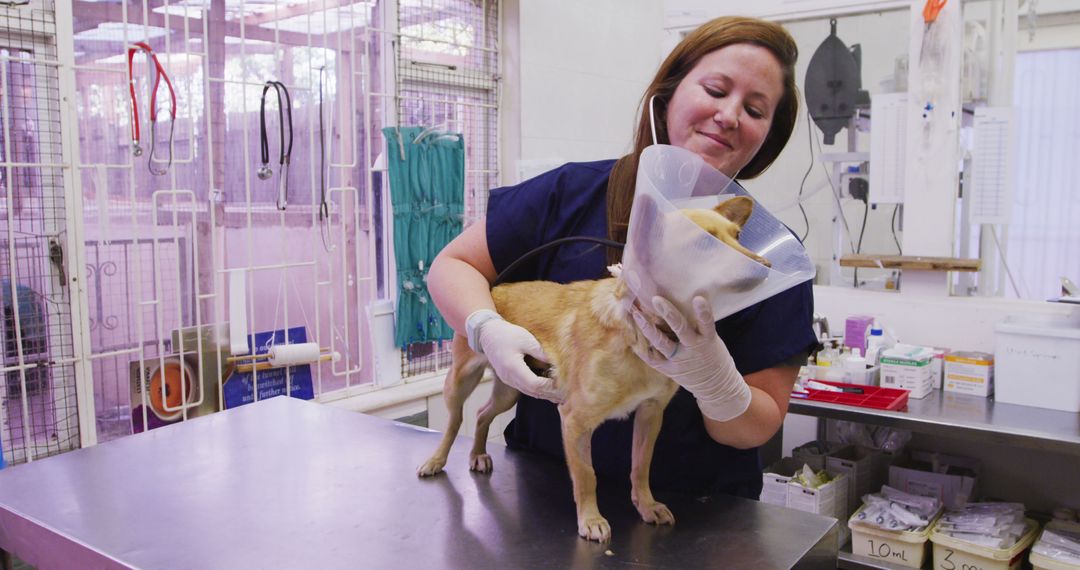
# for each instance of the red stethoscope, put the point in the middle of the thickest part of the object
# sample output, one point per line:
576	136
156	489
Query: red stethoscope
158	73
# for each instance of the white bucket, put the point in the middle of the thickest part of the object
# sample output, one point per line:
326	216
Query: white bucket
668	255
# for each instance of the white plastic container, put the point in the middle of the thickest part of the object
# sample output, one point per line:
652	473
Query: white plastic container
903	548
1048	561
1037	363
1040	562
952	553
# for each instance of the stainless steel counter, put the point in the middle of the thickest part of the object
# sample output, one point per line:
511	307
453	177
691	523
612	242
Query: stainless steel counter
285	483
969	417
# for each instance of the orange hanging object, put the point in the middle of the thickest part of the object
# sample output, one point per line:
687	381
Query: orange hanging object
932	9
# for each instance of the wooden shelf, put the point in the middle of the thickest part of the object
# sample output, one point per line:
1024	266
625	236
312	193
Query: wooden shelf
917	262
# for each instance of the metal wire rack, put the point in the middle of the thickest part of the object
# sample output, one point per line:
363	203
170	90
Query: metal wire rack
447	71
38	405
154	253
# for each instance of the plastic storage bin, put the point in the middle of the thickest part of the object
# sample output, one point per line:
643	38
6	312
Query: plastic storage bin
1040	562
864	397
1044	562
952	553
903	548
1037	363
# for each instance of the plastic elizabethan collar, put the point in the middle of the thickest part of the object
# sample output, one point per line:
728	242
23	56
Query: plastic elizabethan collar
666	254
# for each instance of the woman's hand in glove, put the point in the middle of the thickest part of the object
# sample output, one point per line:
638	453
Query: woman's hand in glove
505	345
698	360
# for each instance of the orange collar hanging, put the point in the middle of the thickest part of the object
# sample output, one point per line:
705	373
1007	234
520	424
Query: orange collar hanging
158	73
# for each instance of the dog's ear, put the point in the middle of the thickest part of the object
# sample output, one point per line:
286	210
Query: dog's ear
737	209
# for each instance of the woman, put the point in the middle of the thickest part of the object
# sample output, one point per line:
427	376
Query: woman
727	93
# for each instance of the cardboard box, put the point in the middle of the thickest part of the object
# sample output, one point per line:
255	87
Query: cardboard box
908	367
952	479
861	464
813	453
937	366
197	370
969	372
830	500
775	479
855	330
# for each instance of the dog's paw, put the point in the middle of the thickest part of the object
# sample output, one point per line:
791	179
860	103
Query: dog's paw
432	466
480	463
594	528
656	513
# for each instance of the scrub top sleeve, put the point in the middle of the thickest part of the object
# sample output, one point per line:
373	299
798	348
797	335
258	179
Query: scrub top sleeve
772	331
518	217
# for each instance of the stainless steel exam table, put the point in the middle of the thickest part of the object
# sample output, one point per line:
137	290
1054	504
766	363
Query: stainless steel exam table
285	483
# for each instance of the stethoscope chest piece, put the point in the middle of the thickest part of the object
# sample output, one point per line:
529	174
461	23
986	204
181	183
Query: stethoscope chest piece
157	73
285	120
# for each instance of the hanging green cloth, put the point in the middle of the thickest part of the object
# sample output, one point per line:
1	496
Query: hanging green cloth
427	194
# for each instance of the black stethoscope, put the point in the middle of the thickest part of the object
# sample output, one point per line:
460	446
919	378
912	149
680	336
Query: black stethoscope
265	172
501	277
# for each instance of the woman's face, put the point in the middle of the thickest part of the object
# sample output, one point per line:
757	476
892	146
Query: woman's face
723	109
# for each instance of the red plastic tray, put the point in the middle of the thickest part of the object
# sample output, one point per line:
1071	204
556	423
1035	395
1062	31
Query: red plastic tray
872	396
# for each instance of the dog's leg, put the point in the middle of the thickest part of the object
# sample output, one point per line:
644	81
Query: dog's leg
577	440
465	373
503	398
647	421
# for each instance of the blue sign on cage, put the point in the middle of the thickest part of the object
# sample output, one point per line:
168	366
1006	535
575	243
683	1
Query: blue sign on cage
239	388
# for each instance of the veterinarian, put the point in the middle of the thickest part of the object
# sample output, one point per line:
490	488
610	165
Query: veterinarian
727	93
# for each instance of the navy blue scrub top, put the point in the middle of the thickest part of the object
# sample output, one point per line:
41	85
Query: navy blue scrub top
571	201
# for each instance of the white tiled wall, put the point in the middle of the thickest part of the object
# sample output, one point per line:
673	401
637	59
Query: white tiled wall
584	67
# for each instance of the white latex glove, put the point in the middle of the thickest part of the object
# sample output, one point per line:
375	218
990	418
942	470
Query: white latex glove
505	346
699	361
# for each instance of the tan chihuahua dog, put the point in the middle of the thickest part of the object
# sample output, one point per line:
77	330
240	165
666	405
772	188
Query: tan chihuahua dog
587	332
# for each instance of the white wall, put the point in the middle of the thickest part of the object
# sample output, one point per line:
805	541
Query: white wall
883	38
583	69
957	323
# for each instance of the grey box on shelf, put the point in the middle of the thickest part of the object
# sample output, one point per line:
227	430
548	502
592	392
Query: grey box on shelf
813	453
863	466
